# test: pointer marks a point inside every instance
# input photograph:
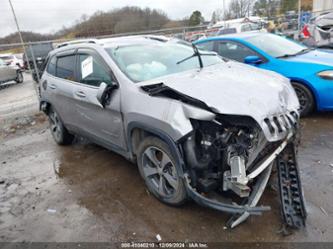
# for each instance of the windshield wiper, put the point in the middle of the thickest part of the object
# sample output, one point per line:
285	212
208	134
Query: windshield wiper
298	53
196	54
305	50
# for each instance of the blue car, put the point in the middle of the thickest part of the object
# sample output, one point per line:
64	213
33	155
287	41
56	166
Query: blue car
309	70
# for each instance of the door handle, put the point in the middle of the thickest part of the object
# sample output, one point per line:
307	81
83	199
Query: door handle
80	94
52	86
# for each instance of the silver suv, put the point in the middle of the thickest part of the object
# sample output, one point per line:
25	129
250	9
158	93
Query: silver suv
197	125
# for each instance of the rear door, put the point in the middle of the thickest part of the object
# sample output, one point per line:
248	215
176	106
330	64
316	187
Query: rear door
62	77
102	124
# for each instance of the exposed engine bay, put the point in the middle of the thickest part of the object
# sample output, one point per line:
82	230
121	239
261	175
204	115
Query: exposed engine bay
230	156
219	155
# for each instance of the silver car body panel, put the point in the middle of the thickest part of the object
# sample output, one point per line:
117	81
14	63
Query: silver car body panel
7	73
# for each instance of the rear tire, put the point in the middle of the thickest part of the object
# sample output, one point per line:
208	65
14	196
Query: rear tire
305	99
19	77
58	130
158	168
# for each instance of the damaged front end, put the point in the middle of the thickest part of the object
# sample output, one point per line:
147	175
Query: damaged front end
228	159
229	162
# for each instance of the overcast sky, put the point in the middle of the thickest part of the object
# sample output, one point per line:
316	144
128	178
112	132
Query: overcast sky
50	15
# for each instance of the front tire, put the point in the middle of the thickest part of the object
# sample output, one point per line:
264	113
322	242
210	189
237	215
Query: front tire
58	130
158	168
305	99
19	77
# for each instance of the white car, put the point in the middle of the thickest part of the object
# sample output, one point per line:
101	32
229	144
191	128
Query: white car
12	60
8	73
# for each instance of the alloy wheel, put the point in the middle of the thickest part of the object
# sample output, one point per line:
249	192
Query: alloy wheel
55	125
160	171
302	98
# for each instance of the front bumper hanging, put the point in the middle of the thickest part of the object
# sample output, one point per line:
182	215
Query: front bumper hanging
292	201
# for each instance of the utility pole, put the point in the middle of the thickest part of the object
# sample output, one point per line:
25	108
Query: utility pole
224	14
299	15
20	35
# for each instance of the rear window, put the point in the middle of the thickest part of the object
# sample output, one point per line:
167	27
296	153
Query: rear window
66	67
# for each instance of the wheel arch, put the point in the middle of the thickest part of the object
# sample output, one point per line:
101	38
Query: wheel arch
137	131
310	87
44	106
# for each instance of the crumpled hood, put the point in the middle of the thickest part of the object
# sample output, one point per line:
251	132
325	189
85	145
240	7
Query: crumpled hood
319	57
235	88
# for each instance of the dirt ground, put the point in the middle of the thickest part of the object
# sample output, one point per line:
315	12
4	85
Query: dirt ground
84	193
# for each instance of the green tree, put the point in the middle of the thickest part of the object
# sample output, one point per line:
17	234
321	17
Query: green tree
287	5
196	18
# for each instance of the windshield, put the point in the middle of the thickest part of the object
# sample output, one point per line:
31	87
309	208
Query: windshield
275	45
149	61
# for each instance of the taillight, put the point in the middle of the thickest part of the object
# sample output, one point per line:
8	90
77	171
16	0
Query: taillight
306	32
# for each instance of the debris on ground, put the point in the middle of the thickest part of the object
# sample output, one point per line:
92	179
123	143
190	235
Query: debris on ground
158	237
56	166
52	211
324	211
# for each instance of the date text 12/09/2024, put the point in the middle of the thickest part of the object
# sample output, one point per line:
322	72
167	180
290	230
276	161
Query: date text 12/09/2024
163	245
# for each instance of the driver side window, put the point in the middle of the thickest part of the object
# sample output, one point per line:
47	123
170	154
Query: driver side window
92	71
234	51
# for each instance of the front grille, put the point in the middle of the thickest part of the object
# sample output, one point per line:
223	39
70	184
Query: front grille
280	124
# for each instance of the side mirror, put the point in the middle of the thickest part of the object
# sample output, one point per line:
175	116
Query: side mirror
104	92
101	90
252	60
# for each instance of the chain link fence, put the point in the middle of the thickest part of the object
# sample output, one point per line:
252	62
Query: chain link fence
288	25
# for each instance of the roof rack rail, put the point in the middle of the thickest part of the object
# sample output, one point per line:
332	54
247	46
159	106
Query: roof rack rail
95	41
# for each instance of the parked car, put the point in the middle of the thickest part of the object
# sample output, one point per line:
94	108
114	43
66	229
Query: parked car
197	37
9	73
194	123
240	27
12	60
39	53
310	71
319	31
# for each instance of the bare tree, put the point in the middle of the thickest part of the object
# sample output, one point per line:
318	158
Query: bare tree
239	8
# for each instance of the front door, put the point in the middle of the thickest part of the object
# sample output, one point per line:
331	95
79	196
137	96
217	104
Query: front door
102	124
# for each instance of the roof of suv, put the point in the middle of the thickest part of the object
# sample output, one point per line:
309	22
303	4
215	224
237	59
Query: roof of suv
116	41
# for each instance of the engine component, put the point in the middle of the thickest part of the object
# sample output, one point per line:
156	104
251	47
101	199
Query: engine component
237	166
239	189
